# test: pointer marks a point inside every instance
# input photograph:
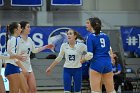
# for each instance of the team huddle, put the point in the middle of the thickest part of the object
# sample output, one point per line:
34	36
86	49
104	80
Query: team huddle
18	67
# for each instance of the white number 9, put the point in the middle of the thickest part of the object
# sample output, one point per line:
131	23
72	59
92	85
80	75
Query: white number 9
102	40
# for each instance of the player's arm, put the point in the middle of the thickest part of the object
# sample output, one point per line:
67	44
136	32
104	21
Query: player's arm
57	60
7	56
90	44
86	57
36	50
111	52
119	70
11	46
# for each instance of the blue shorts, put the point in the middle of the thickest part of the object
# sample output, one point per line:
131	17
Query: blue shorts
11	69
76	74
102	65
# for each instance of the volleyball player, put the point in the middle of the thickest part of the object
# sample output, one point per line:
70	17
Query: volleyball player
6	57
72	67
27	46
100	65
12	70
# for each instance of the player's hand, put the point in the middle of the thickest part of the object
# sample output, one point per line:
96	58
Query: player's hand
48	70
50	46
21	57
81	61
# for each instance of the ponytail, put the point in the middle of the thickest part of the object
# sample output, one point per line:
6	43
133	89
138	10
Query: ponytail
96	24
7	35
97	29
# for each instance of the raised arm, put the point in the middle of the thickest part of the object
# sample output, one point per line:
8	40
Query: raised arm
57	60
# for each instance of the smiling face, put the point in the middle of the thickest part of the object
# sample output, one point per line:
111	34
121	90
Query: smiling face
71	36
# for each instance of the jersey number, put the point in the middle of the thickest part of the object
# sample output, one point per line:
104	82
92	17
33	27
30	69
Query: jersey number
102	40
28	51
71	57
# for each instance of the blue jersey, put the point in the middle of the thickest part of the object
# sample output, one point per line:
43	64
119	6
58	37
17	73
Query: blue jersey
99	45
116	68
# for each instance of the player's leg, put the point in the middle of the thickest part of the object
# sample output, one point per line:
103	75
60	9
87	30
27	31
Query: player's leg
67	79
32	82
2	88
23	84
95	81
77	77
108	81
12	73
108	77
14	82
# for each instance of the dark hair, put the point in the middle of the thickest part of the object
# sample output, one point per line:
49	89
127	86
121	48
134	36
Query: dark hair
116	58
96	24
10	30
23	24
7	35
12	26
78	36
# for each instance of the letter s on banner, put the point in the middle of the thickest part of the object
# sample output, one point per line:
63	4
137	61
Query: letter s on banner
2	40
38	38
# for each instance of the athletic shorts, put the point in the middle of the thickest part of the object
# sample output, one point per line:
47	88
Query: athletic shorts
102	65
11	69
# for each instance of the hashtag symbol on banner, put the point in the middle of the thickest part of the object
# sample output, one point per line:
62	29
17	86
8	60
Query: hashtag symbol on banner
132	41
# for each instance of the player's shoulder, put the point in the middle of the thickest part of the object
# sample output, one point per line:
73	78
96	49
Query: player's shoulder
102	33
12	38
64	44
91	36
29	39
80	43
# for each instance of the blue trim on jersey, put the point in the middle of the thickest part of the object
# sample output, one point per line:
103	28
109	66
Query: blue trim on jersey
11	69
16	45
76	74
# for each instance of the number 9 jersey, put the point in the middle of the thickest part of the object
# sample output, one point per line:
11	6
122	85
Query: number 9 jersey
99	45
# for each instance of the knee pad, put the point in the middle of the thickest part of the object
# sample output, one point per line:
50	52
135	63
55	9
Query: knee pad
95	92
113	91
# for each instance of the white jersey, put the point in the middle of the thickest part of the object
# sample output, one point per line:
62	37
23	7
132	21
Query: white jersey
26	47
72	55
12	48
3	56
